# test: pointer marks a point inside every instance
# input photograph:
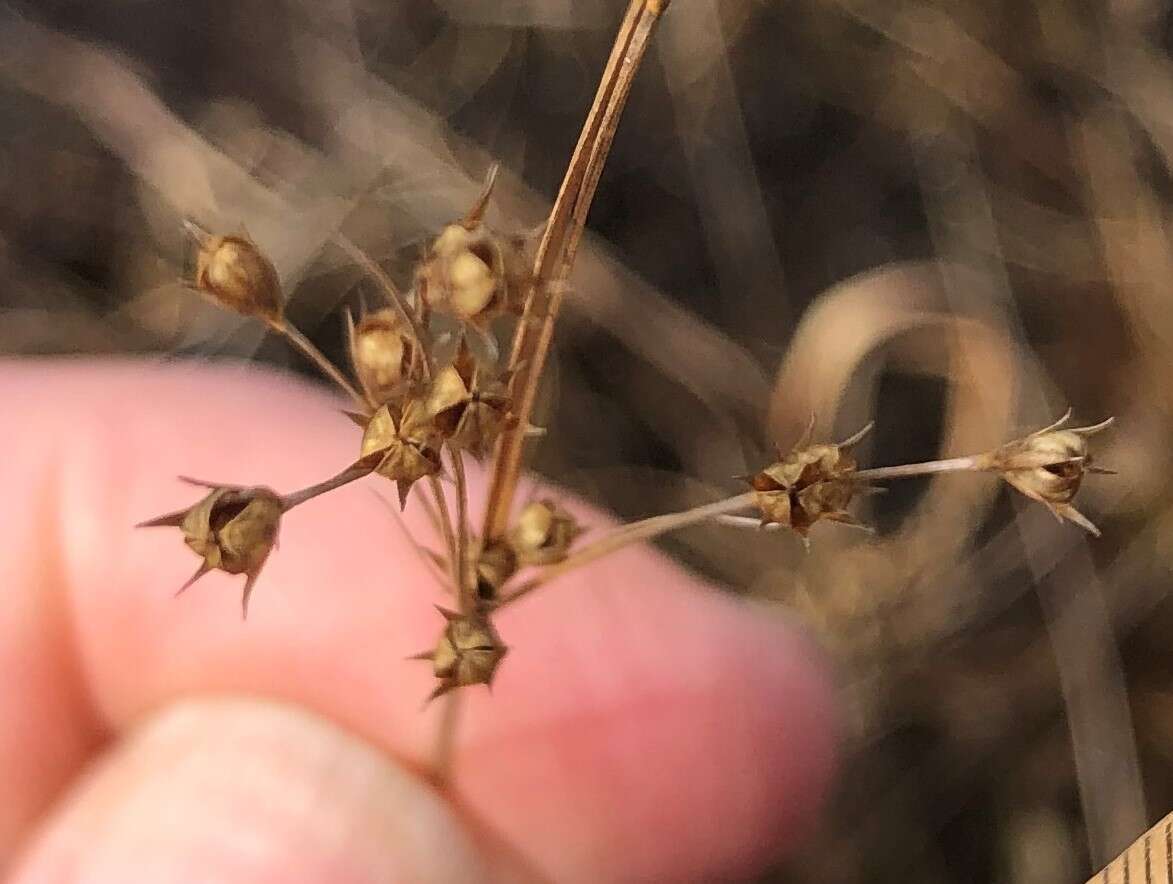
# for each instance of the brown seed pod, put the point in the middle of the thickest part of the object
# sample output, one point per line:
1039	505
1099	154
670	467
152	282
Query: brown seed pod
543	533
494	565
232	529
811	483
486	568
473	273
1049	466
235	273
467	408
467	653
386	359
408	442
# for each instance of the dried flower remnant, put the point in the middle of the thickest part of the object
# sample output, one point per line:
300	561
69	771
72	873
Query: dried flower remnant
1049	466
543	533
467	653
237	275
811	483
387	361
407	441
233	529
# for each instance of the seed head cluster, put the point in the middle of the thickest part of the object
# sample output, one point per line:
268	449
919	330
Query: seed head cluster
429	388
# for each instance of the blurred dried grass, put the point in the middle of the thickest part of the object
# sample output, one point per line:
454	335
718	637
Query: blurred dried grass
950	217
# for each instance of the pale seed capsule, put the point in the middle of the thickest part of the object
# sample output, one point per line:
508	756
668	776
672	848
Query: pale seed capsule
543	533
473	273
385	356
472	285
234	272
1049	466
465	274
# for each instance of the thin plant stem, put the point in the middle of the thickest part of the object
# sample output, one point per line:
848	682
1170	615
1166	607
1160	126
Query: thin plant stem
398	301
446	729
464	592
425	555
449	722
557	248
350	474
328	368
626	536
446	529
748	522
430	510
952	465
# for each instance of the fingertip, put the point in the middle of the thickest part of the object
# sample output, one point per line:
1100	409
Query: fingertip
242	791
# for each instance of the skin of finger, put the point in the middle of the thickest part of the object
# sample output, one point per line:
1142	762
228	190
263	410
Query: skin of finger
47	729
242	791
641	724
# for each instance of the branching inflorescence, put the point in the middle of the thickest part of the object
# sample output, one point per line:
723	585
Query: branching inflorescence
430	388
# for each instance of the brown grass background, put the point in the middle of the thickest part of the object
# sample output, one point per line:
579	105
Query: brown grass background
950	217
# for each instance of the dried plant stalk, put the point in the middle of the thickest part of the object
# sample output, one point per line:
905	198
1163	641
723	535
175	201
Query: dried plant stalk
465	588
557	248
446	529
637	532
350	474
904	471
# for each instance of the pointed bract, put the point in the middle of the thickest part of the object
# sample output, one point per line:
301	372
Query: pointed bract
203	569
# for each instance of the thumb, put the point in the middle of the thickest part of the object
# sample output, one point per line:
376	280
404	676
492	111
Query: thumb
243	790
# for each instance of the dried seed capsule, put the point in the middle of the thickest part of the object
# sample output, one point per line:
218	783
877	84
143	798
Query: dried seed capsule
472	272
487	569
385	356
468	409
810	484
543	533
238	276
407	441
1049	466
467	653
232	529
494	565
